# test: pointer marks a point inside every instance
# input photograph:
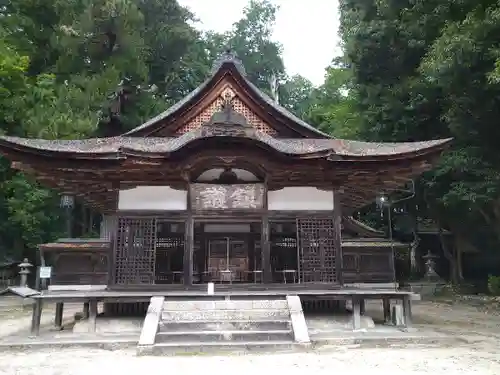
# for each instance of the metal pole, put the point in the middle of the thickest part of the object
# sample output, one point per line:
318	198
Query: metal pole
389	219
227	253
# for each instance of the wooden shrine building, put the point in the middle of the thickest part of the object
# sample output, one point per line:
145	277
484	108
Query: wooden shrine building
226	186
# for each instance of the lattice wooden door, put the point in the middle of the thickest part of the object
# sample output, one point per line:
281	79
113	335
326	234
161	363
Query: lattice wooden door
317	253
134	259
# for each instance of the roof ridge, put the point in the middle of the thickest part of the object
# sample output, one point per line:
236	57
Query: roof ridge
227	59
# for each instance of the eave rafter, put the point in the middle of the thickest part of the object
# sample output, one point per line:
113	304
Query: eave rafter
360	182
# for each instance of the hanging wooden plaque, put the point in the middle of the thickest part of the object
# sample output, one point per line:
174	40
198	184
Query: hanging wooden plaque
227	197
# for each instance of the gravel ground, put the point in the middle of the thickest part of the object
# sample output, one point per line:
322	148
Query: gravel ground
369	361
481	357
15	319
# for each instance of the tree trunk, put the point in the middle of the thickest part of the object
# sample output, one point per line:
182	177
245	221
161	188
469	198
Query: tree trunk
450	257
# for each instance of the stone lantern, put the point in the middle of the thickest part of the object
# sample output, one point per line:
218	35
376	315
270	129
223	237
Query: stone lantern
430	267
24	271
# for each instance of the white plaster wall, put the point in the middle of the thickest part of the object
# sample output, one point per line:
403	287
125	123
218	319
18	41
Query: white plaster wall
154	198
300	198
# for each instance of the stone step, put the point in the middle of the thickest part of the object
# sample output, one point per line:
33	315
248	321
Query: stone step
195	348
225	305
224	315
254	325
217	336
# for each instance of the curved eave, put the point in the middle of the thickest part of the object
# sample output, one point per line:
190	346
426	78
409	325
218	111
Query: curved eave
350	223
55	149
420	149
117	148
255	94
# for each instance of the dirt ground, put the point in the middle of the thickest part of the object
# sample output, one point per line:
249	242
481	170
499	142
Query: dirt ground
453	317
478	354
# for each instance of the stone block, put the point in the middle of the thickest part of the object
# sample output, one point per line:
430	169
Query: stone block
151	322
220	315
397	316
299	325
206	305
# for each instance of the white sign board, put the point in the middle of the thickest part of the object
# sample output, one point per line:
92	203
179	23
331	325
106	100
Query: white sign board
210	289
45	272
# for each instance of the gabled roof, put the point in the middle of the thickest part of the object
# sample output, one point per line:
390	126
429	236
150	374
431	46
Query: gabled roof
228	65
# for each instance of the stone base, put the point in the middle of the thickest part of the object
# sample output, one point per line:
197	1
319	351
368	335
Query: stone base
427	288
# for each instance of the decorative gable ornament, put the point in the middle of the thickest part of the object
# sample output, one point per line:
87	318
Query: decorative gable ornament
228	56
227	122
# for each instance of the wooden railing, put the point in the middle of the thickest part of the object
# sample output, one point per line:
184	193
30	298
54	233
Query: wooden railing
368	265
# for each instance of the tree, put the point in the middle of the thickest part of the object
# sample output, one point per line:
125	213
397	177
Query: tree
333	104
425	70
78	69
24	206
250	39
296	94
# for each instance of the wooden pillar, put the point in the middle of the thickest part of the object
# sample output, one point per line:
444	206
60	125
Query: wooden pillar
356	313
337	219
251	256
407	311
36	316
386	303
266	251
265	244
188	243
93	315
86	310
362	307
59	315
109	231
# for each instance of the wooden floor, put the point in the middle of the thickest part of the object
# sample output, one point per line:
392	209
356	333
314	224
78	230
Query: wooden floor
326	291
92	296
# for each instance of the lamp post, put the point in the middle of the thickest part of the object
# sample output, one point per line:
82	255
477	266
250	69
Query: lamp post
382	202
67	203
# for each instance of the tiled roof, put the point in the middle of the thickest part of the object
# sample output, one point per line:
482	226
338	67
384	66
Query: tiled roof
158	145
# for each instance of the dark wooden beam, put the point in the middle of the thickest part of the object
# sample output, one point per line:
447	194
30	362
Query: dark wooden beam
337	220
265	241
188	242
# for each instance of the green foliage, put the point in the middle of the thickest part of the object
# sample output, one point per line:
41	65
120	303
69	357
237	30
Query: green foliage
494	285
296	94
333	108
250	39
63	65
427	70
72	70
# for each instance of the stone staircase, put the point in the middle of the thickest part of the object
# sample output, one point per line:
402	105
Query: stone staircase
222	324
